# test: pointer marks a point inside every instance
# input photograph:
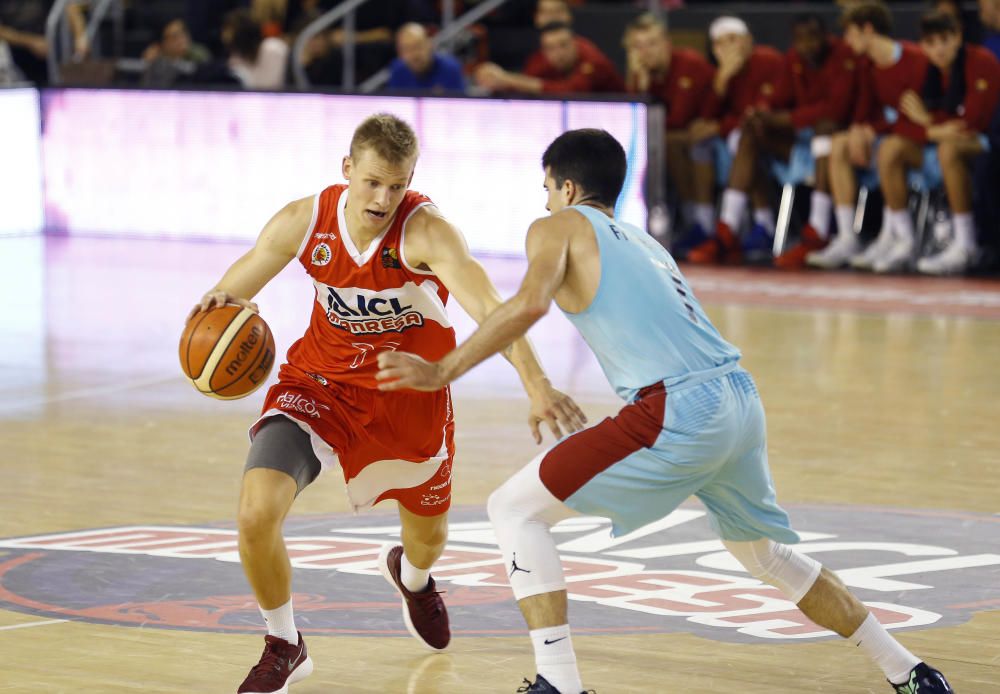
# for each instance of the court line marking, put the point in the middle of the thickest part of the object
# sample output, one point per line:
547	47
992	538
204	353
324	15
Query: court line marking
33	624
88	392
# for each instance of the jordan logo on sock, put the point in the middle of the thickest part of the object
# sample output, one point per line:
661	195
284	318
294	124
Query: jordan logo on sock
514	567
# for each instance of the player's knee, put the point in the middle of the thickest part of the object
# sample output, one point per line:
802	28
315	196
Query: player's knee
429	534
838	145
791	572
892	153
500	506
258	520
948	154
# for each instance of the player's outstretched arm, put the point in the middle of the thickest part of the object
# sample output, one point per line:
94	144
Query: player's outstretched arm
277	244
499	327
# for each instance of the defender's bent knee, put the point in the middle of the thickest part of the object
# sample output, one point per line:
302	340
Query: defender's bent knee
791	572
500	506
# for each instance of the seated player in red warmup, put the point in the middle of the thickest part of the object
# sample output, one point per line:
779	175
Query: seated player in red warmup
383	261
814	99
567	72
547	12
680	79
955	107
746	78
892	68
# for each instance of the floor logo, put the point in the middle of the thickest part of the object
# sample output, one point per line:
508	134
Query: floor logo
912	568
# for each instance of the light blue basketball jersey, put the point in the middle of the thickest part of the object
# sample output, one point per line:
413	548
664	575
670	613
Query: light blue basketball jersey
644	324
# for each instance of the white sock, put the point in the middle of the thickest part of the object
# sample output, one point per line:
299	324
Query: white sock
281	622
764	216
965	230
413	578
845	219
704	216
901	224
820	206
734	205
555	659
888	653
886	228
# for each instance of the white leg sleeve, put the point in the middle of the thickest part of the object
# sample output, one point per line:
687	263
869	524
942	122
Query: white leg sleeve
781	566
522	511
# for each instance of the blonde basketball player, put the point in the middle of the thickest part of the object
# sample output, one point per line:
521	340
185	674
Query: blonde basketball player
383	261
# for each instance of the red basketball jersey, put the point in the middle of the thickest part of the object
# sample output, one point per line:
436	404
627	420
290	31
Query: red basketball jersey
367	302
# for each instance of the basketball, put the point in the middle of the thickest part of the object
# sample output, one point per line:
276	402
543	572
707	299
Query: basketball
227	351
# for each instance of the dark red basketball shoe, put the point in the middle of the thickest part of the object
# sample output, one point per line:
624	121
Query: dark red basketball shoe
280	665
424	613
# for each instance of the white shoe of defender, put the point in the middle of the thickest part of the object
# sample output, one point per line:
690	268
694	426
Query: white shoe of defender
953	260
836	255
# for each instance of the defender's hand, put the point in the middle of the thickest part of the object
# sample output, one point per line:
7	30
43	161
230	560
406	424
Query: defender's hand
556	409
398	370
220	298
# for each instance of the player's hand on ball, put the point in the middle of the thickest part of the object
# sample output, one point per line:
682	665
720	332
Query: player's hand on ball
556	409
218	298
398	370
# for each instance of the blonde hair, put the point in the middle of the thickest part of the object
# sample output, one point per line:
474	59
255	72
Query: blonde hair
389	136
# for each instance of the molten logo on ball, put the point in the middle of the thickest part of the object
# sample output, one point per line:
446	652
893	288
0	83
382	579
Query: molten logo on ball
246	347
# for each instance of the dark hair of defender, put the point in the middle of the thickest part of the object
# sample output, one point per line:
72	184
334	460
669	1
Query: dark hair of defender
592	159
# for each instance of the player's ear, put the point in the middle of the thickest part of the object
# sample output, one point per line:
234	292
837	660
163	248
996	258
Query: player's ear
569	191
346	166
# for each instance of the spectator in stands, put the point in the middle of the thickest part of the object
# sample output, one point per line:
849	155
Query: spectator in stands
954	109
22	31
891	68
989	14
568	71
175	44
814	98
173	56
419	67
258	62
746	78
680	79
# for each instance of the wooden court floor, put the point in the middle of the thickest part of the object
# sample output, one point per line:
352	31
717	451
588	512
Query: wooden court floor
882	403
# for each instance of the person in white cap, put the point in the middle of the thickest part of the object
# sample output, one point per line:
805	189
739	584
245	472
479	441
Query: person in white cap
746	77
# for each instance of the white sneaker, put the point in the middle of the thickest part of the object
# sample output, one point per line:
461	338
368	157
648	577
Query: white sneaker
836	255
898	257
876	249
953	260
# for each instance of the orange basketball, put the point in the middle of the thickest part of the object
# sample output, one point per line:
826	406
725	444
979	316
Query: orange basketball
227	352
